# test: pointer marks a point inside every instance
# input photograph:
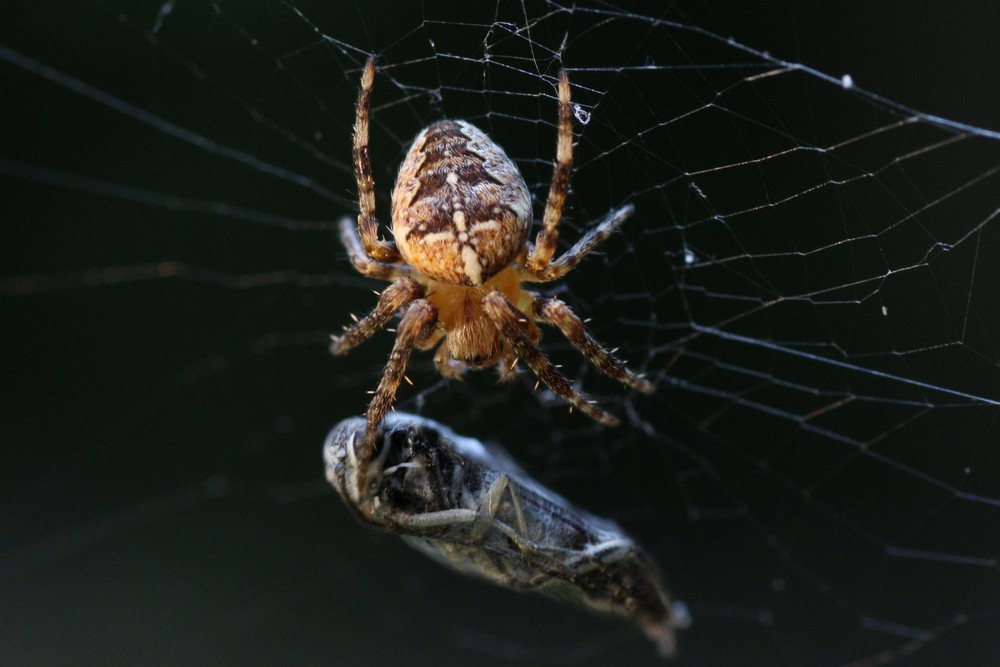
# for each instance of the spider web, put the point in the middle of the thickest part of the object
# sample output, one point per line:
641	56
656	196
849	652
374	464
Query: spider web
809	277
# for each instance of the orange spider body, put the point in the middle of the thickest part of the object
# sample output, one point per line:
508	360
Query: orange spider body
470	338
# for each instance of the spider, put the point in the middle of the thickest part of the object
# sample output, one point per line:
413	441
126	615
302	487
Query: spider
461	216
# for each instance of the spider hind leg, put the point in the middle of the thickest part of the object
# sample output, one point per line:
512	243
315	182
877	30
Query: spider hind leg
555	312
515	328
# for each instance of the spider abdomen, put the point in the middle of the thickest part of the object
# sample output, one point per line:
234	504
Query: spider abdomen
461	211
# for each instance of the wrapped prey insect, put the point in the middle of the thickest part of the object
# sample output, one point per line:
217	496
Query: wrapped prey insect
469	506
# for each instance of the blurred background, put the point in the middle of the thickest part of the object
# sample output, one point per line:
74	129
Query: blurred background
809	276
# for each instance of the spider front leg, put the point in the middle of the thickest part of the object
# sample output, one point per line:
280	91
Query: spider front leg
545	242
555	312
416	327
392	298
377	249
572	257
515	328
360	260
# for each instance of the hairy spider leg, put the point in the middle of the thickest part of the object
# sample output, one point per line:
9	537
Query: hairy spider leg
545	242
555	312
506	367
360	260
572	257
416	326
376	248
514	327
392	298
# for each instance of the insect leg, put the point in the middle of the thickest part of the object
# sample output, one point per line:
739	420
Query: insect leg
491	505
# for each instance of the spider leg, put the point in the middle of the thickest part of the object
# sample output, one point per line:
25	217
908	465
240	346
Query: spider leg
555	312
572	257
515	328
377	249
392	298
360	260
432	340
506	367
545	242
417	326
508	361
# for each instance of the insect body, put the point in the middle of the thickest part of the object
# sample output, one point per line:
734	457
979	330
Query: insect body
461	216
472	508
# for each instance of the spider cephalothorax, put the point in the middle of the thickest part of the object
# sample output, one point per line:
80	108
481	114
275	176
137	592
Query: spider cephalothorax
461	215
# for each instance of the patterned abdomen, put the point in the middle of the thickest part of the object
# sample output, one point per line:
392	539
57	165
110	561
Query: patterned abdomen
460	210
